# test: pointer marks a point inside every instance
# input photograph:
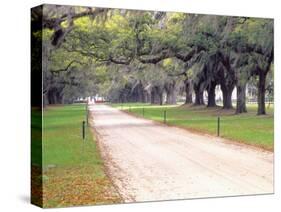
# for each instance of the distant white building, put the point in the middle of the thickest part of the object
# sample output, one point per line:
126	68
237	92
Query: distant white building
97	98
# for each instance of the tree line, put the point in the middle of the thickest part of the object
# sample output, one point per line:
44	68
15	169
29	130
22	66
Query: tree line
128	55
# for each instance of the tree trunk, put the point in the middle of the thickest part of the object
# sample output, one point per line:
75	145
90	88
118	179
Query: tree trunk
147	96
199	97
54	96
140	93
171	97
171	93
188	91
199	90
241	99
227	96
212	95
227	99
156	95
51	97
161	98
261	94
152	96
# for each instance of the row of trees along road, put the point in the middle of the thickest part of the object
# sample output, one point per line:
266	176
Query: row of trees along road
129	55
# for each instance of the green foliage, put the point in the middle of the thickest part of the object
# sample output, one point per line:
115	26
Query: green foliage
113	43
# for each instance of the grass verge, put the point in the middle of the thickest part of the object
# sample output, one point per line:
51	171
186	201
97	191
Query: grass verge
73	171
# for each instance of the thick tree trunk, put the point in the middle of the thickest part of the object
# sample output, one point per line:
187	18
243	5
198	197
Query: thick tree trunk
54	96
152	95
241	99
202	88
199	90
123	97
212	95
51	97
227	99
147	96
156	95
261	94
59	98
140	93
161	98
227	96
171	93
171	97
188	91
126	95
133	95
199	97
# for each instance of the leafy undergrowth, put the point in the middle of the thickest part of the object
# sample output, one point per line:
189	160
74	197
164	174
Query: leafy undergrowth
73	171
74	186
36	185
245	128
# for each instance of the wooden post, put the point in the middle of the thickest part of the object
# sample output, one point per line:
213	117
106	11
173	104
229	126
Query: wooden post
83	130
218	127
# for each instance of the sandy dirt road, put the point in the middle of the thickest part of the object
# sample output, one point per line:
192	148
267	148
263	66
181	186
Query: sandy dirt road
148	161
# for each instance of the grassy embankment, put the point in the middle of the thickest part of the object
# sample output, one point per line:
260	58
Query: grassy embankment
246	128
73	171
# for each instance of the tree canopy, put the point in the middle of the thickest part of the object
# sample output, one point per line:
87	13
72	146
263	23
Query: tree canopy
128	55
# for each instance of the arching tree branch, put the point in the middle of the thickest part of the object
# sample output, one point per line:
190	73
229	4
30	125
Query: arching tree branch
67	67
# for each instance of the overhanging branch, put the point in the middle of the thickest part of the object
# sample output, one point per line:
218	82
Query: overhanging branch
67	67
156	58
120	61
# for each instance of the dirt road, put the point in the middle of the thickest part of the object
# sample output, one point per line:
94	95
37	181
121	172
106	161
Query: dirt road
148	161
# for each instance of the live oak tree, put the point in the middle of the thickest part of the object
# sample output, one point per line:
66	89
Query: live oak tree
50	25
144	56
252	43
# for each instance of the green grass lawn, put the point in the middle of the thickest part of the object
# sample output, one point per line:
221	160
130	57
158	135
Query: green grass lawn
247	128
36	156
73	171
62	138
36	137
